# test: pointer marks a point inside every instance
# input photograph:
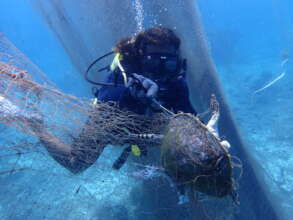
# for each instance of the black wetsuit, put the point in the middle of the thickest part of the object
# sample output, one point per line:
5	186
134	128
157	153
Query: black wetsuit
173	95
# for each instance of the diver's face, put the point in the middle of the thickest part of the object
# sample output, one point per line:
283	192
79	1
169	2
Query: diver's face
160	62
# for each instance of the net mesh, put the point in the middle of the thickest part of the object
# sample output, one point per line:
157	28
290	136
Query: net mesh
34	114
62	120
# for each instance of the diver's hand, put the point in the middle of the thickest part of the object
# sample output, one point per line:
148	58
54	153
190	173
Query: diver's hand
142	88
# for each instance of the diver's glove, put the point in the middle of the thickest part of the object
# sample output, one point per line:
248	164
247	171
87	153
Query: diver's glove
142	88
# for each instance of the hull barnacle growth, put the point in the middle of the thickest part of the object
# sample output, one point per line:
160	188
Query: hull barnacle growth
194	155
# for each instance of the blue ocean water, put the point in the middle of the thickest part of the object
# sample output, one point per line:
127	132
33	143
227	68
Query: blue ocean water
248	42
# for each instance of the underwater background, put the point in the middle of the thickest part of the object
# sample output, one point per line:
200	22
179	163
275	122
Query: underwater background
248	41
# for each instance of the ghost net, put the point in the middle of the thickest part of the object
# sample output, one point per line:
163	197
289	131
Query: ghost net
35	118
34	114
74	125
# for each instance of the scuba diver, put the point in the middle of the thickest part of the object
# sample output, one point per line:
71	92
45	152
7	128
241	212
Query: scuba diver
146	72
146	76
151	68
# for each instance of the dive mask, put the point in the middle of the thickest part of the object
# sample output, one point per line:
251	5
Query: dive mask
161	65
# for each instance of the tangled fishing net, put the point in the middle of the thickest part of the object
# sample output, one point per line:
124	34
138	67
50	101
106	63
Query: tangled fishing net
58	119
34	113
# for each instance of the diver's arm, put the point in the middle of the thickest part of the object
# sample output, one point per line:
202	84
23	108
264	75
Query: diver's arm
120	94
113	93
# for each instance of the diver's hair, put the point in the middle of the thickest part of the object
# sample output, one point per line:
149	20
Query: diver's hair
124	46
158	36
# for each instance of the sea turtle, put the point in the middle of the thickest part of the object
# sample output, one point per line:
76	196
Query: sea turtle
193	154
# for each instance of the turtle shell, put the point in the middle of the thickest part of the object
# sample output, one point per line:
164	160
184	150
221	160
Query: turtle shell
194	156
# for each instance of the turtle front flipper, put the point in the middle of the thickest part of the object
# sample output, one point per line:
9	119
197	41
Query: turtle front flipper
225	144
212	123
